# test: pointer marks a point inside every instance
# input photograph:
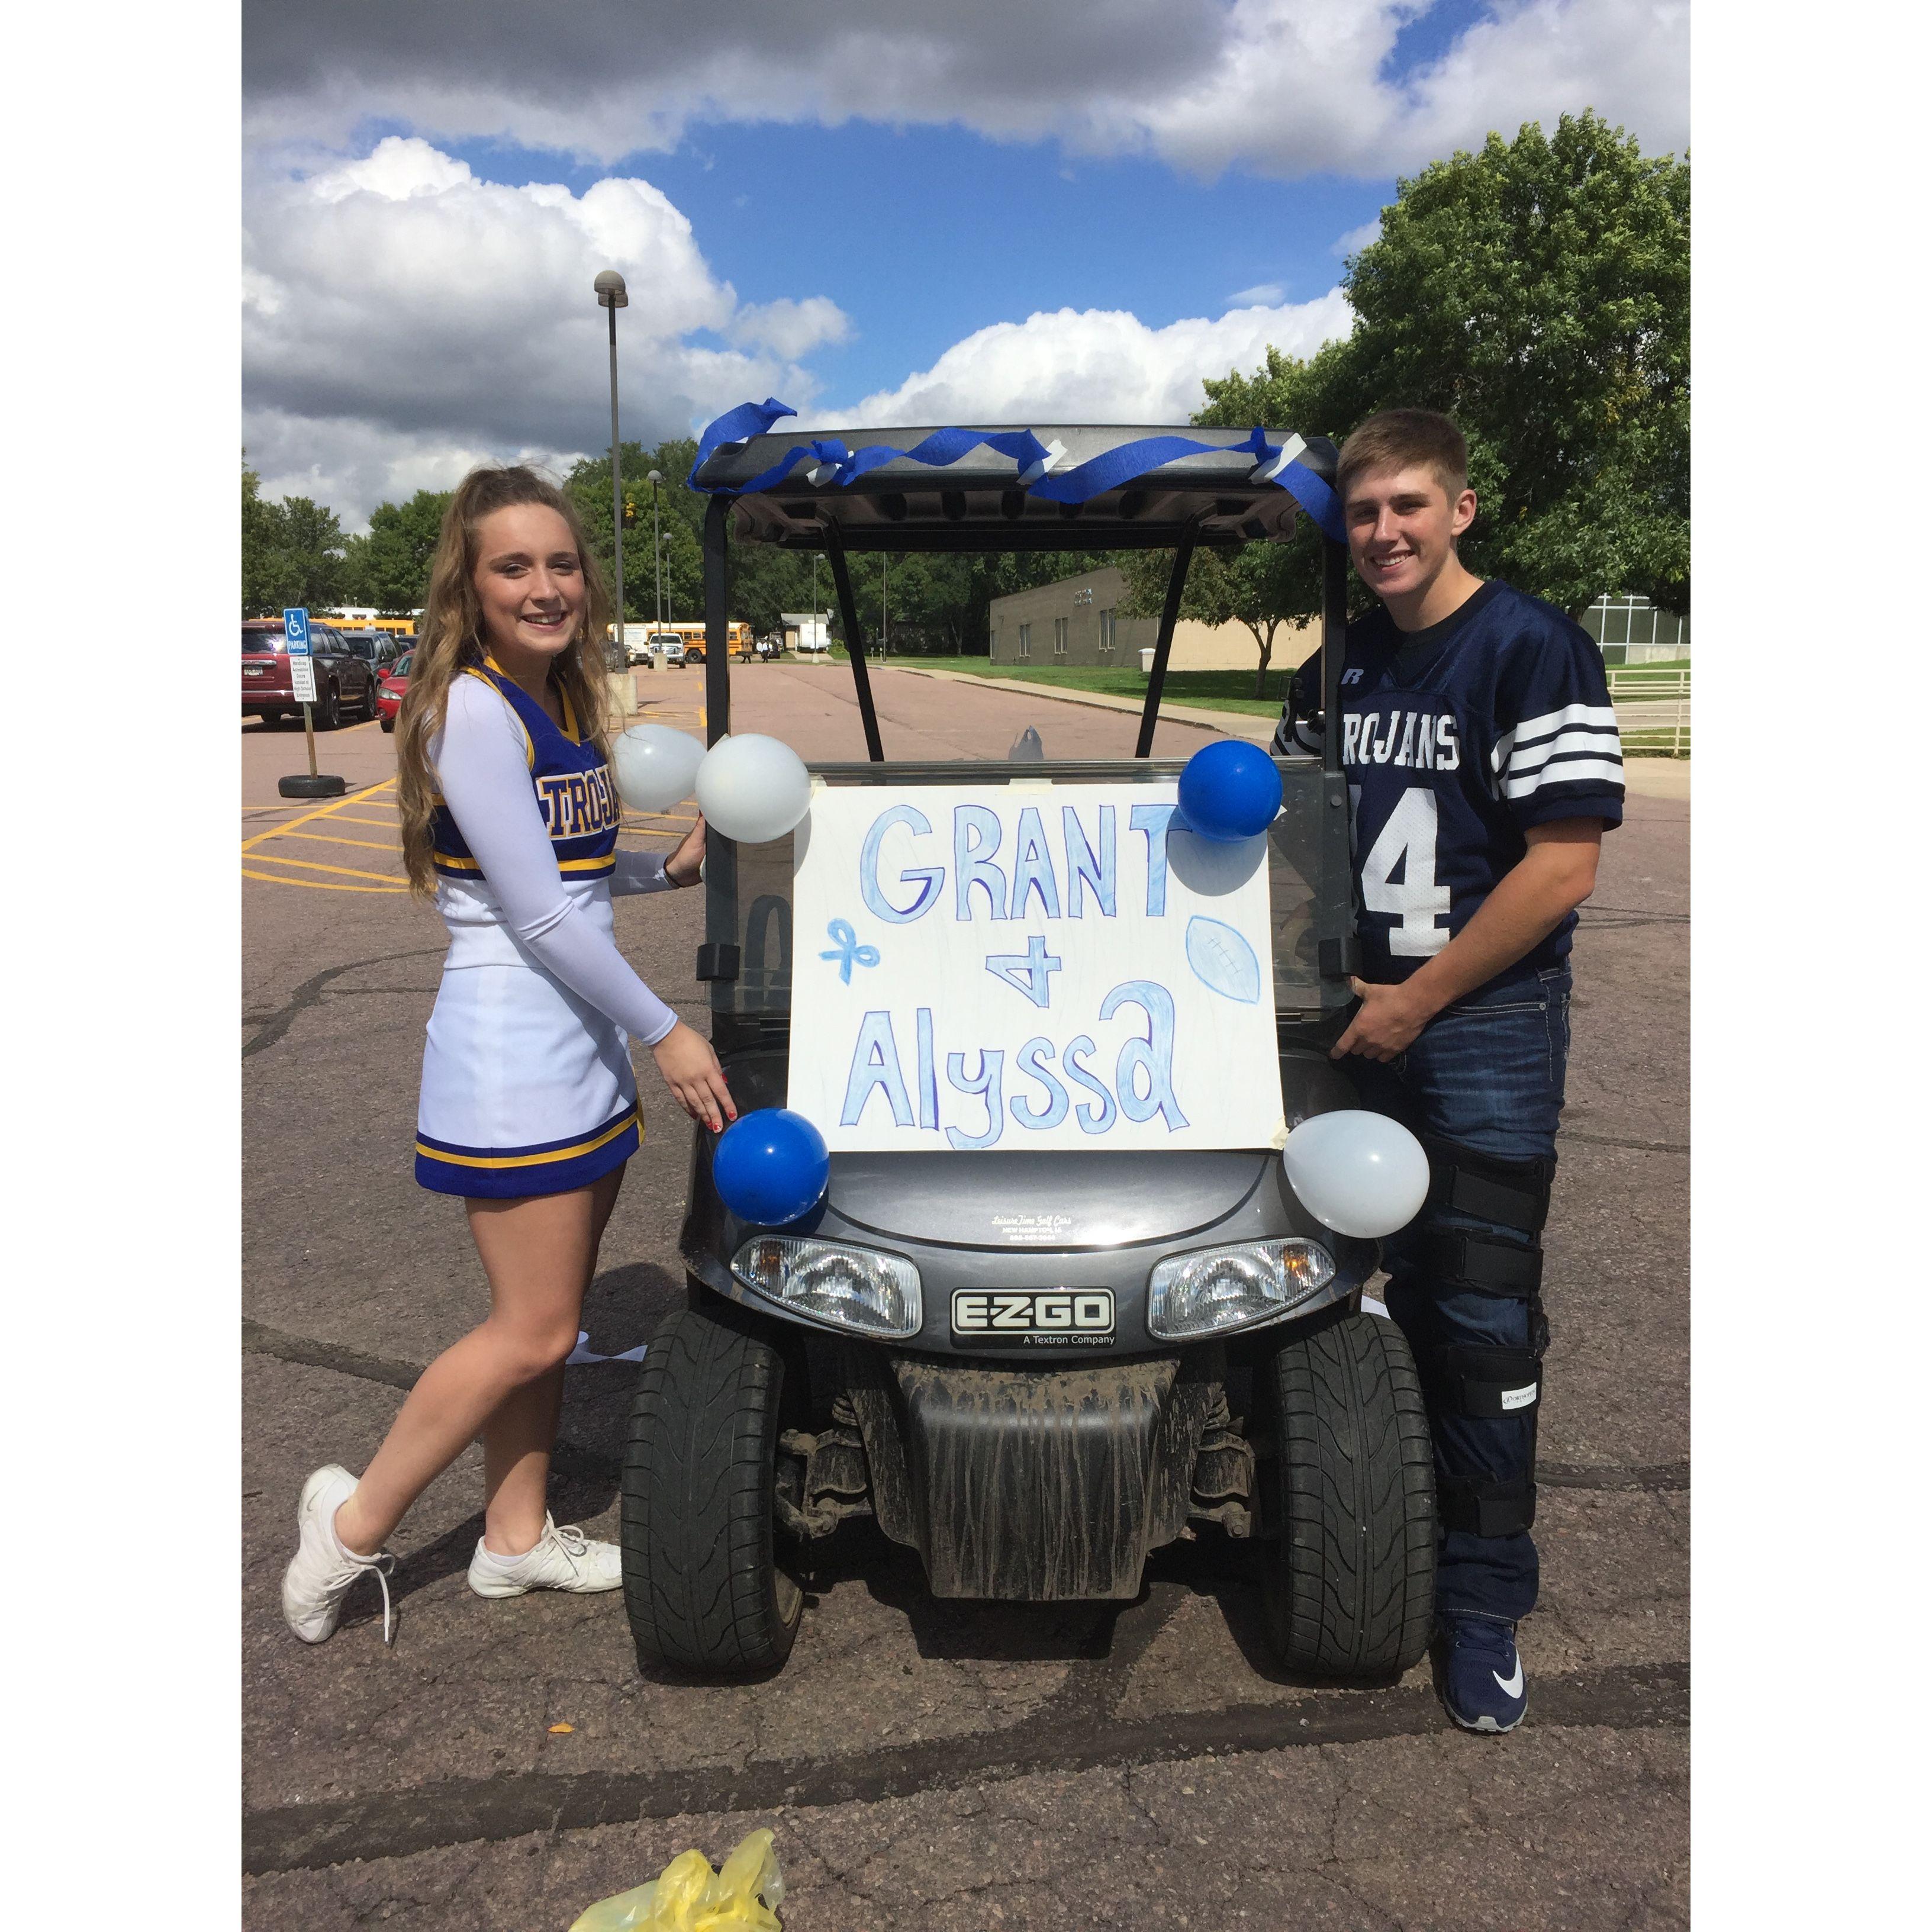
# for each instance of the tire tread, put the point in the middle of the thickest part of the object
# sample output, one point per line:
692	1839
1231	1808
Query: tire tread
1349	1585
698	1536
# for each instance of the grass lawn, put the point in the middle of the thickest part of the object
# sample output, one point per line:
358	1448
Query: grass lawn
1211	690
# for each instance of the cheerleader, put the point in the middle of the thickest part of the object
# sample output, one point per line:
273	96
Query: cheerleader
528	1108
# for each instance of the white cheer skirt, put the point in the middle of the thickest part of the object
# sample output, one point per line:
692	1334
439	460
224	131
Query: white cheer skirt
526	1088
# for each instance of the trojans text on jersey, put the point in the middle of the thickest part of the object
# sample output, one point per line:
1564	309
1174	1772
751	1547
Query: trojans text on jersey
576	804
1427	740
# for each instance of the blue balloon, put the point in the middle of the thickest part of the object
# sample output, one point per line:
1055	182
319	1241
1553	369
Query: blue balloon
1229	790
770	1166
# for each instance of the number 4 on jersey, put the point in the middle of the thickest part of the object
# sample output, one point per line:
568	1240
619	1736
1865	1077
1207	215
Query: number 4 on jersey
1407	843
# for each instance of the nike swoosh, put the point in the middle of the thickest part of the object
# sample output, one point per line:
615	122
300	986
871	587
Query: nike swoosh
1511	1687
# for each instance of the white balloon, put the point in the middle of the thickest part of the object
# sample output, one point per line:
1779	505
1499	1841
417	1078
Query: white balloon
1360	1173
655	766
753	788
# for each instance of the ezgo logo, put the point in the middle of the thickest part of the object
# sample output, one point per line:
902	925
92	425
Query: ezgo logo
1034	1318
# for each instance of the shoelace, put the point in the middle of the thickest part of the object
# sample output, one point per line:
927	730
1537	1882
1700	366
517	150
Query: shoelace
576	1545
382	1564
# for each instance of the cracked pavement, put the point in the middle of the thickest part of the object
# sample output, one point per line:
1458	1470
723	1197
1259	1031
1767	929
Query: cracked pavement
925	1765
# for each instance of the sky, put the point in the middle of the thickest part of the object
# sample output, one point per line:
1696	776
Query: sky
909	213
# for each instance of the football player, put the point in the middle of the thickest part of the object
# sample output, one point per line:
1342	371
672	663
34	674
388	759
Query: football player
1483	767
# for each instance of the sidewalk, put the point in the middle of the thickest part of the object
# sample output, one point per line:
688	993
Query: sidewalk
1658	778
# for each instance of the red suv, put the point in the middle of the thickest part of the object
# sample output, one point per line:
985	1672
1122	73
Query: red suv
343	680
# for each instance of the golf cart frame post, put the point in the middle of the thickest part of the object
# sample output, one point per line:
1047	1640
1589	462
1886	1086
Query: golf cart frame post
903	507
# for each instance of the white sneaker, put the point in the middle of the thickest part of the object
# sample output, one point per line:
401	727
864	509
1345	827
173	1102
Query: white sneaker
314	1584
561	1559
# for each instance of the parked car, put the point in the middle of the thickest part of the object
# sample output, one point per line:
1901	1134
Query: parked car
389	689
344	681
379	650
665	644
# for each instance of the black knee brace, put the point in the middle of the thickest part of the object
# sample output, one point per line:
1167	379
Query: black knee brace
1489	1383
1513	1194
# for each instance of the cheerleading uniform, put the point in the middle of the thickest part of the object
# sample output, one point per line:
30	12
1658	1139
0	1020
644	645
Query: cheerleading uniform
527	1086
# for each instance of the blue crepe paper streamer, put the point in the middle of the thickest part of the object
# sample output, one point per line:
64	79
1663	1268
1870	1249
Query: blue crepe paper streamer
1111	470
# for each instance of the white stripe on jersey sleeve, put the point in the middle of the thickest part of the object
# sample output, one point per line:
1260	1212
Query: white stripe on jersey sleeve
1530	729
1578	739
1572	771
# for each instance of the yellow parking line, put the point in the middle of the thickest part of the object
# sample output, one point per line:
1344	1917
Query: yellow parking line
382	824
323	839
318	885
322	812
312	865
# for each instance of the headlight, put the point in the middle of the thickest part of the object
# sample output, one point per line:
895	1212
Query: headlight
852	1287
1222	1288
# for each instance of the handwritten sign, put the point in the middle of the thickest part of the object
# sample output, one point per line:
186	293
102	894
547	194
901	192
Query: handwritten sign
1029	965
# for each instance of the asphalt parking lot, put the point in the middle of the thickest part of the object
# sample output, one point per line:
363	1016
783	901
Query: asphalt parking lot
924	1764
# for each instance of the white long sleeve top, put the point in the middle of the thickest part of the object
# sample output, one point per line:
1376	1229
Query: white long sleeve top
522	910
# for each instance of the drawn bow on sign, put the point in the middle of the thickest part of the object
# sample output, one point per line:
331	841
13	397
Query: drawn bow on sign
847	950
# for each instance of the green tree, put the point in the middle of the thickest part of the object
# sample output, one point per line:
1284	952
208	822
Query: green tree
309	554
1539	293
291	552
681	522
388	569
260	522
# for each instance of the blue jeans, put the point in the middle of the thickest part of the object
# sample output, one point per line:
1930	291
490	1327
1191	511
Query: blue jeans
1486	1072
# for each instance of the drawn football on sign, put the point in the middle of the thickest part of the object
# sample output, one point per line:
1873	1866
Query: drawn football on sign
1223	961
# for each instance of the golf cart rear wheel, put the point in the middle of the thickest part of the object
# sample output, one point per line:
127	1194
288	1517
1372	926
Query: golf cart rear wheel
1348	1580
704	1585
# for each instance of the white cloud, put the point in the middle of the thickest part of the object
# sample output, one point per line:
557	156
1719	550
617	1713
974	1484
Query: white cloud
1263	294
1358	239
1285	87
1094	365
791	329
402	318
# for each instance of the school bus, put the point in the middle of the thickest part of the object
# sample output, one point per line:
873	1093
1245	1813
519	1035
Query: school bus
351	618
738	637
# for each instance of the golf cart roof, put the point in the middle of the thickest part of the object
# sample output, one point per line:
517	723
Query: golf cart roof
977	503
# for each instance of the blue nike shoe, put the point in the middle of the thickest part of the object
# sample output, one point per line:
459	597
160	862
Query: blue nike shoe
1482	1674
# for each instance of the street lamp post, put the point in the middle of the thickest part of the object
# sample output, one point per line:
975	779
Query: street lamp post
611	296
657	542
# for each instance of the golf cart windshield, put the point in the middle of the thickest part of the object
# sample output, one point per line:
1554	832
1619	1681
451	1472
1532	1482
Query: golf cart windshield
1080	488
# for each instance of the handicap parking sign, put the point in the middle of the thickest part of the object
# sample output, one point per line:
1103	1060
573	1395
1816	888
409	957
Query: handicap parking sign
295	625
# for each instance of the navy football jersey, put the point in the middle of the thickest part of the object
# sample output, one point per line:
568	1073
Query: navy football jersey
1455	740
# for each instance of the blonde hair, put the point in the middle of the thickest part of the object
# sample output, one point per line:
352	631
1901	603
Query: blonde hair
450	640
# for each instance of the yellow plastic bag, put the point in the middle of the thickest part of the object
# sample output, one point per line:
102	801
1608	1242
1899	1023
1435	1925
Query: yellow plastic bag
688	1896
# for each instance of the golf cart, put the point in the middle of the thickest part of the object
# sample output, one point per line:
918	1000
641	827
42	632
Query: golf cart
1033	1363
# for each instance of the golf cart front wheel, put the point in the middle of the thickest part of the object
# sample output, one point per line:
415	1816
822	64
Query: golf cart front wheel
1348	1579
705	1587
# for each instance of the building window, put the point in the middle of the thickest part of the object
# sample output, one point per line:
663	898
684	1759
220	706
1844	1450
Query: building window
1026	640
1632	630
1060	636
1106	633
